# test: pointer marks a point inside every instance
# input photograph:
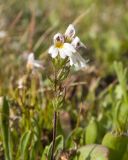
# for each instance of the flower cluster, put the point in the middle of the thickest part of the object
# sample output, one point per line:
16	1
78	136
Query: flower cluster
67	45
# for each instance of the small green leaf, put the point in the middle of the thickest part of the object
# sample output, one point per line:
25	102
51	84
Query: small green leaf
45	153
76	136
117	144
24	145
122	77
91	133
4	125
59	145
93	152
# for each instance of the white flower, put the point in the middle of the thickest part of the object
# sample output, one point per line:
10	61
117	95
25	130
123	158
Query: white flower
66	46
77	61
21	83
61	48
77	43
70	33
32	63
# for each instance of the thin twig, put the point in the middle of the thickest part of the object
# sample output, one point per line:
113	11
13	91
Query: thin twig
16	20
77	84
81	16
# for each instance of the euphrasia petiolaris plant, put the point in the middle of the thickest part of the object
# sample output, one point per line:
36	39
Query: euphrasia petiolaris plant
64	53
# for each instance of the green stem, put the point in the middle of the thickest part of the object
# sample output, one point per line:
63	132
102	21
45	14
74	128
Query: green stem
54	119
54	135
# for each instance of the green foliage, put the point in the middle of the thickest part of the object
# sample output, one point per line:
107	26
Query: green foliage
91	134
117	144
125	156
5	129
121	107
93	152
59	145
122	77
75	138
24	146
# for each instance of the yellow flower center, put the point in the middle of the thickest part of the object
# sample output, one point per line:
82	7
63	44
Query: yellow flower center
59	45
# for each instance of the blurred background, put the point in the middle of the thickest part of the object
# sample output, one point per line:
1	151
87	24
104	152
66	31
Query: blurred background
29	25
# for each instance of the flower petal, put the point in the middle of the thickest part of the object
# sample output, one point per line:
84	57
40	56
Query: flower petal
70	31
69	48
72	60
58	38
53	51
77	61
76	43
62	53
